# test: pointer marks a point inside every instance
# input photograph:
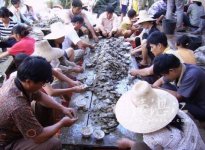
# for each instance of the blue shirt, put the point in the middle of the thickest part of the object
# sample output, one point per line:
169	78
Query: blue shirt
191	85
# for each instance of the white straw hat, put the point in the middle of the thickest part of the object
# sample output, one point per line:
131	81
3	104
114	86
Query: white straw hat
144	109
144	17
43	49
58	30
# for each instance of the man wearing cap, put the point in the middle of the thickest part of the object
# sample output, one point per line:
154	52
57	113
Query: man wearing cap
76	9
189	81
19	128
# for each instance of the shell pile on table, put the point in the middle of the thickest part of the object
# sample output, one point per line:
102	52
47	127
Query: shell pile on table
110	61
48	22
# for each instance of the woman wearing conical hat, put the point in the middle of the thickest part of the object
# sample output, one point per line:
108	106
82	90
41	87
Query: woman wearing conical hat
155	114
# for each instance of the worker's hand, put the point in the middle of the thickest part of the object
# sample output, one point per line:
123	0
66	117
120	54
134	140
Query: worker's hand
76	83
104	33
95	38
79	89
133	72
78	69
67	121
110	35
125	143
92	47
70	112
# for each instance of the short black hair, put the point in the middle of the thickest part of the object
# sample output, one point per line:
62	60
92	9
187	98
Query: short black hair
164	62
19	58
21	30
36	69
77	18
110	9
5	13
157	37
13	2
77	3
131	13
183	41
197	3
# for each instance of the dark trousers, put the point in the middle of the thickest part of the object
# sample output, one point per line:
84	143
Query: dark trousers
8	43
196	111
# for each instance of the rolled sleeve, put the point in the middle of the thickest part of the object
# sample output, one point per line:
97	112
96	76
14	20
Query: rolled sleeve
26	122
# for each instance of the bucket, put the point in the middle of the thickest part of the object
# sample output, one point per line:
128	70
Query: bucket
168	26
195	42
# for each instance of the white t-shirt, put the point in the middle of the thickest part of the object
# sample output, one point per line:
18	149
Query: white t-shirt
71	37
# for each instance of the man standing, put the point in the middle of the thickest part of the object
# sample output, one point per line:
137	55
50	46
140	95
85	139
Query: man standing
179	4
19	128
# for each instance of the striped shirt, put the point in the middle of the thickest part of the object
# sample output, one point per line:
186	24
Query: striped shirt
6	31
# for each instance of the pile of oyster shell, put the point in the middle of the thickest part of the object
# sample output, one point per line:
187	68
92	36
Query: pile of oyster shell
111	64
48	22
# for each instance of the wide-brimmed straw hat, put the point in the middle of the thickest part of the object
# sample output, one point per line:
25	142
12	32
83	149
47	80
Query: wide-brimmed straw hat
144	109
43	49
58	30
144	17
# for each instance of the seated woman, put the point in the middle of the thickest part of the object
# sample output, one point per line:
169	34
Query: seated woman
56	38
183	50
6	26
25	44
148	24
160	121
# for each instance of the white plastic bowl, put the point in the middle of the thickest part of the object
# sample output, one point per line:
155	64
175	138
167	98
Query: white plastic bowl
98	134
87	131
81	103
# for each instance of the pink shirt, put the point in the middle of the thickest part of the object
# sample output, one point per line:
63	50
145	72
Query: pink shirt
25	45
108	24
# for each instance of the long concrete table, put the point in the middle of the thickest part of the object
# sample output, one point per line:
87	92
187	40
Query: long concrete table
71	136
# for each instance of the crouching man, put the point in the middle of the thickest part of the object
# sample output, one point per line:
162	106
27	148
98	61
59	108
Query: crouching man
19	128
